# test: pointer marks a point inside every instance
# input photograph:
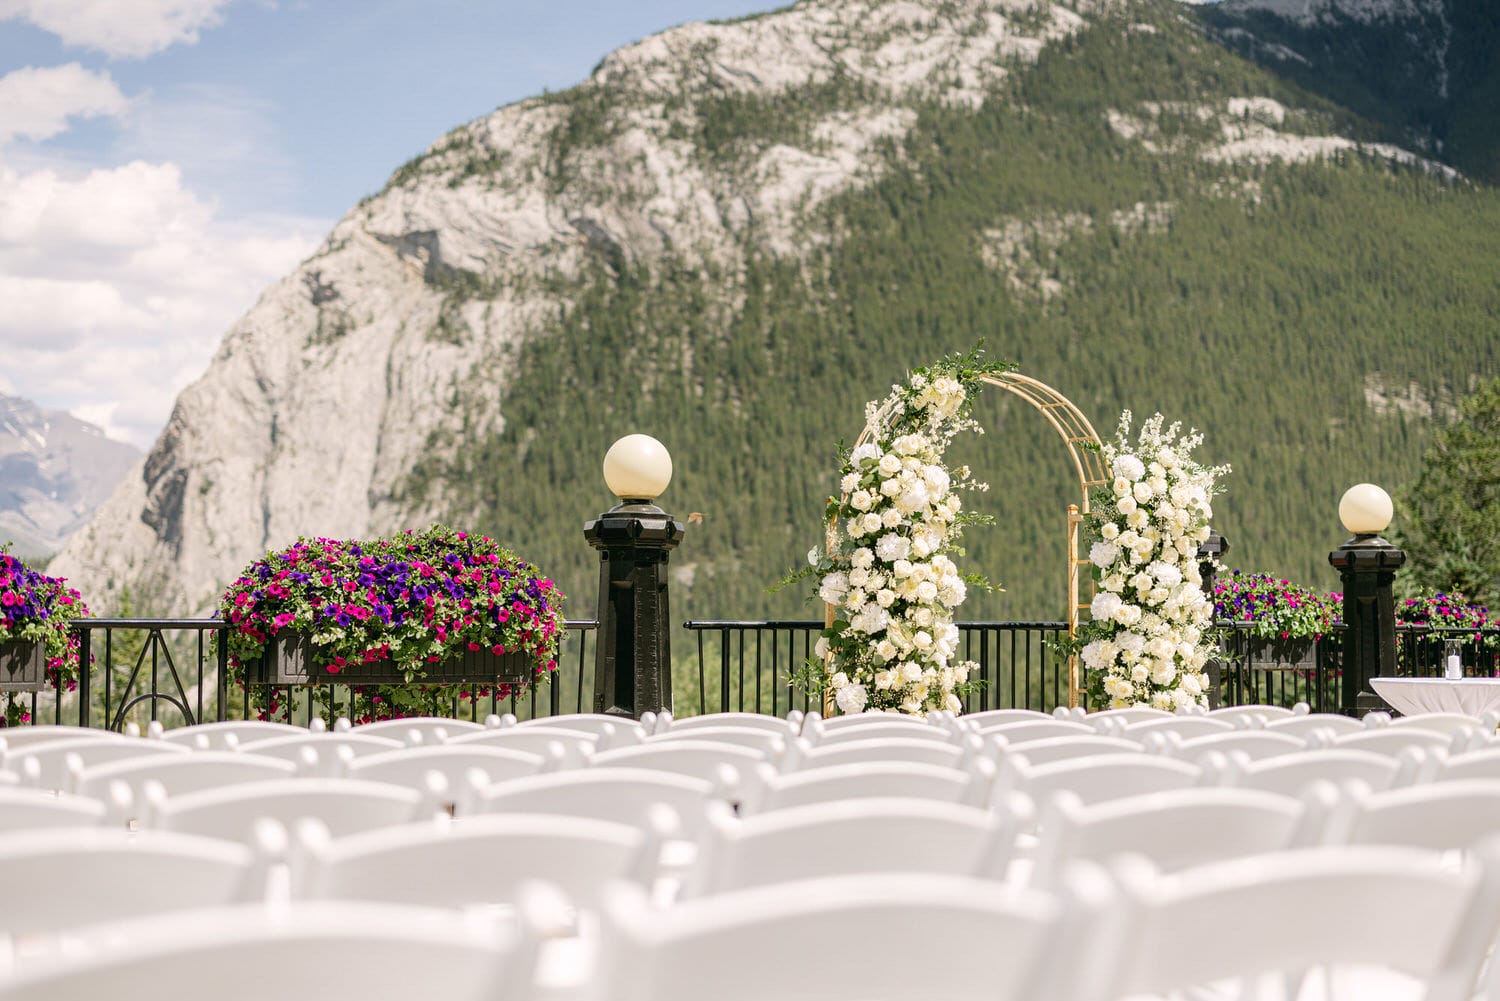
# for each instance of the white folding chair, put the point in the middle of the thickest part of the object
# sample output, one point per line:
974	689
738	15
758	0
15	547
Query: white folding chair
20	738
1280	914
1290	774
227	735
697	758
177	774
814	937
1483	764
572	747
666	724
1181	727
26	809
1177	829
1391	740
1443	816
1259	715
994	717
62	878
344	806
773	744
410	767
840	782
1050	749
622	728
329	747
352	952
419	729
1098	778
620	795
1256	745
926	752
883	731
842	837
1450	724
1109	721
1301	725
481	860
1029	730
814	724
48	765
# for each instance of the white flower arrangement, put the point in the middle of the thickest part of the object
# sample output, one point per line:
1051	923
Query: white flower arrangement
1149	639
893	645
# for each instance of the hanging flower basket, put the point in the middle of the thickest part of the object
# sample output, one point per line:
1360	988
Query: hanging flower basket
293	659
22	666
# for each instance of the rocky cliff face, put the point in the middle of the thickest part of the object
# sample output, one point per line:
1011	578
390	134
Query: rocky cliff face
55	470
330	389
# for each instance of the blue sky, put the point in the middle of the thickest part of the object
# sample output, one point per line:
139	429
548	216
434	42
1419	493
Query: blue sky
162	161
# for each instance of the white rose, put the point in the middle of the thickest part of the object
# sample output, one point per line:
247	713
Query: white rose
911	673
1167	458
1114	582
884	680
871	522
922	640
885	650
885	597
953	704
1139	674
890	488
851	699
891	518
1129	467
820	648
835	587
892	547
1121	486
923	617
1142	492
861	500
909	444
890	464
1128	615
868	451
927	591
1126	505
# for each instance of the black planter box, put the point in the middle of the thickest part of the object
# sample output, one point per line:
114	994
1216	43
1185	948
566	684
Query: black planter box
23	666
287	661
1281	654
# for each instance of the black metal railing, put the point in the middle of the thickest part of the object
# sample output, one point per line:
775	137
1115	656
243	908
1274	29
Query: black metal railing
175	671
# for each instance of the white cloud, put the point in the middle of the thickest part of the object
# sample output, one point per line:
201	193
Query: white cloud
36	102
129	28
119	284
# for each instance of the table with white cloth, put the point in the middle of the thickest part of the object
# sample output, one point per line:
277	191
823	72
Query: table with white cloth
1410	696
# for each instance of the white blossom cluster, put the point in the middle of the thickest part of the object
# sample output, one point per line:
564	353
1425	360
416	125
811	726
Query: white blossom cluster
1146	643
894	646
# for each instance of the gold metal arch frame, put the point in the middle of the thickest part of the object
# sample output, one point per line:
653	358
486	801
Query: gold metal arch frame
1089	465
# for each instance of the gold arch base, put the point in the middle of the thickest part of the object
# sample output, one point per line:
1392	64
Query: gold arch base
1083	445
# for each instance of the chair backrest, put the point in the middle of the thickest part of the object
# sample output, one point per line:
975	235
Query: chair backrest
1177	829
1183	727
177	774
1483	764
834	724
419	729
61	878
927	752
1108	720
224	735
344	806
851	836
1302	725
1255	745
1260	713
1392	740
714	721
994	939
620	795
701	759
1290	774
772	743
18	738
598	724
481	860
378	951
1050	749
27	809
1099	778
329	746
47	765
1028	730
1289	911
1451	724
993	717
1441	816
573	746
409	767
839	782
888	729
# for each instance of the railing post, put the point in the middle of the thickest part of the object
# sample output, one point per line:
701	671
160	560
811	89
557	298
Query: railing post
1367	565
85	654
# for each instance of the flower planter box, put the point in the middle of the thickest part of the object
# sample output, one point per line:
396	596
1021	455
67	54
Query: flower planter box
23	666
1299	654
288	661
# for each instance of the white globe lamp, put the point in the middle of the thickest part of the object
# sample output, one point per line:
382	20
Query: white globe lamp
637	468
1365	509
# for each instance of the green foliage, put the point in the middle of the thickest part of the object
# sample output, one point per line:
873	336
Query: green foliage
1450	517
1268	311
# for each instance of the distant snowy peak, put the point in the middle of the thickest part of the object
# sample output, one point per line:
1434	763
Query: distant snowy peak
1311	12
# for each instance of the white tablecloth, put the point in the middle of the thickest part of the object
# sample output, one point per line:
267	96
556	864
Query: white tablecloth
1471	696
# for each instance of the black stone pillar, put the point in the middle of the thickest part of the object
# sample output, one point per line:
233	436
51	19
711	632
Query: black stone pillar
633	661
1368	564
1213	547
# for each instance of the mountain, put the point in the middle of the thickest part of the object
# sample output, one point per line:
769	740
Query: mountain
734	234
55	470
